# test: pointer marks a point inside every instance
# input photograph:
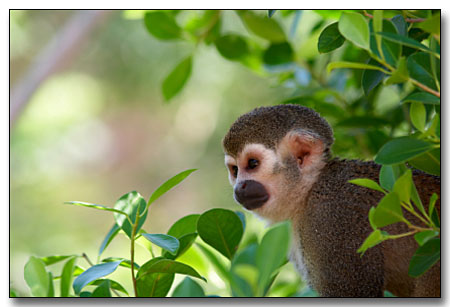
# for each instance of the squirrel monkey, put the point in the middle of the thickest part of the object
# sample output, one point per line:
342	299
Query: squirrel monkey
279	163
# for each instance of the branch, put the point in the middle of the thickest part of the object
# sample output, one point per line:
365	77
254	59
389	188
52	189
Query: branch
59	52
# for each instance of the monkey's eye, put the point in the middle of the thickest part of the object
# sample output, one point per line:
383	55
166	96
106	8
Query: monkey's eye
234	170
252	163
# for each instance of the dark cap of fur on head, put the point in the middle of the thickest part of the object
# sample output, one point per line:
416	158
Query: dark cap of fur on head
268	125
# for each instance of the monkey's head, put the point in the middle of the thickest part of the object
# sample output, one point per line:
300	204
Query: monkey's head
274	155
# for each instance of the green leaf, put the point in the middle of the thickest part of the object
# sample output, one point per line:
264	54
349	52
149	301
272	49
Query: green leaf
419	67
368	183
85	294
103	290
125	262
169	184
55	259
95	206
241	217
400	25
388	211
386	293
133	204
185	225
219	265
186	242
404	40
268	258
262	26
354	27
113	285
334	65
423	236
376	237
399	75
169	266
51	287
330	39
169	243
433	200
425	257
389	174
418	115
221	229
371	78
401	149
155	284
232	46
176	80
66	276
278	53
432	25
378	27
162	25
240	287
93	273
188	288
422	97
36	277
109	237
403	186
391	50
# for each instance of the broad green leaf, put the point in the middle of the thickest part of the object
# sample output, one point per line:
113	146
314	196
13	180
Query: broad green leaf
55	259
162	25
418	115
124	262
263	26
85	294
419	67
232	46
169	184
113	285
170	267
176	80
246	276
401	149
95	206
400	25
185	225
36	277
404	40
109	237
399	75
186	242
391	50
278	53
425	257
221	229
204	26
422	97
330	39
371	213
354	27
433	200
378	27
435	218
219	265
268	258
423	236
66	276
371	78
368	183
155	284
432	25
102	290
389	174
388	211
94	272
386	293
169	243
133	204
240	287
188	288
403	185
376	237
334	65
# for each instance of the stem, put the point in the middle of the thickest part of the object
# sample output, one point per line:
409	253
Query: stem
133	235
403	234
87	259
413	212
425	88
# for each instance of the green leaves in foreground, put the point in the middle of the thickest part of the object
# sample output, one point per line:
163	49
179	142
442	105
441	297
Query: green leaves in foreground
37	277
222	229
176	80
354	27
330	39
93	273
401	150
425	257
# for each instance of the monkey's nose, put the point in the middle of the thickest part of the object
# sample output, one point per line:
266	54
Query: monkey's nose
251	194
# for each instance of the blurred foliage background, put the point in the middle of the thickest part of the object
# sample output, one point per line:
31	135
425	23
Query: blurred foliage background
101	126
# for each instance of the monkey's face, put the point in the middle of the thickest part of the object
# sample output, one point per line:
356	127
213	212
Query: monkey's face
272	182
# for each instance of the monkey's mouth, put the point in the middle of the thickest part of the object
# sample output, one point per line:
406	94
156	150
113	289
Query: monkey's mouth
251	203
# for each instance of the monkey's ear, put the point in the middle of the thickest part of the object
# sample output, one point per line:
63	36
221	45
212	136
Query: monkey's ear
303	146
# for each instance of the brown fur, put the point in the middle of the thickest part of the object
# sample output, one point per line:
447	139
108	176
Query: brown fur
329	214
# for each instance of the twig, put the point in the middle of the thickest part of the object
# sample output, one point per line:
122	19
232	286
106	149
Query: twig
87	259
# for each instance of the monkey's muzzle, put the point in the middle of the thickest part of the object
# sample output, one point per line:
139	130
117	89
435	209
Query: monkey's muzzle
251	194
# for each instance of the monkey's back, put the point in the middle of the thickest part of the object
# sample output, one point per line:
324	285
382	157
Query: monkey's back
334	223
